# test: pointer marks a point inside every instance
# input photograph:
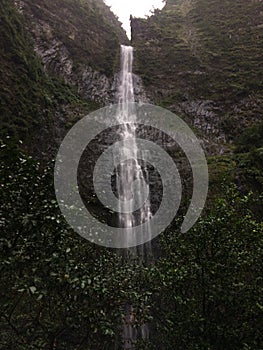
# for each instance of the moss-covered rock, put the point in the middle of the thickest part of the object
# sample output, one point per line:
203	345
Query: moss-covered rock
57	62
208	53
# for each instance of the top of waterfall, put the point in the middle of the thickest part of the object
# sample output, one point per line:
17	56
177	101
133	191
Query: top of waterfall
126	46
126	91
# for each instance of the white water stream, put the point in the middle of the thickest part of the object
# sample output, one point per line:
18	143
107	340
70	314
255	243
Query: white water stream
132	180
132	184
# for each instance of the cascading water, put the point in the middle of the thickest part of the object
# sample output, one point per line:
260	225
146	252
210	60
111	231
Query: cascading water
132	179
132	183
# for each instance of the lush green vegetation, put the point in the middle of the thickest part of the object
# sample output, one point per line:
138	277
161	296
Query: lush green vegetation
250	139
209	283
26	103
33	103
88	29
204	50
58	291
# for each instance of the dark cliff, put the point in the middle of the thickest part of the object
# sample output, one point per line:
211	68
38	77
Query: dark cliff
203	60
200	59
57	62
76	40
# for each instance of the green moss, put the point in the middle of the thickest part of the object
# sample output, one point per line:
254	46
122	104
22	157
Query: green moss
22	80
250	139
88	29
30	99
243	169
207	50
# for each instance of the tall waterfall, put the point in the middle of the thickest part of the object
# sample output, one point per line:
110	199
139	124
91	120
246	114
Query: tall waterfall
132	178
132	183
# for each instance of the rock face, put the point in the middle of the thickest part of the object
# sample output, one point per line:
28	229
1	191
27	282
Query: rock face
203	60
58	61
77	41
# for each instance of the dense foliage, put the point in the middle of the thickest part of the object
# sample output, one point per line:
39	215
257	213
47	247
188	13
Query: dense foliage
209	293
26	102
58	291
250	139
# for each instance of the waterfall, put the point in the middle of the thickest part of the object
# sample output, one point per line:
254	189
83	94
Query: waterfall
132	178
132	183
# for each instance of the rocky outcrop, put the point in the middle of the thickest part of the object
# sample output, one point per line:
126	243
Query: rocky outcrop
78	42
201	59
58	61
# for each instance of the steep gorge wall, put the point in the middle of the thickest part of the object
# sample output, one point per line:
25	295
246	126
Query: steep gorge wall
203	60
77	41
58	61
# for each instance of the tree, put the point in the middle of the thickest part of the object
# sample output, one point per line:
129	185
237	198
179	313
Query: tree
208	291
